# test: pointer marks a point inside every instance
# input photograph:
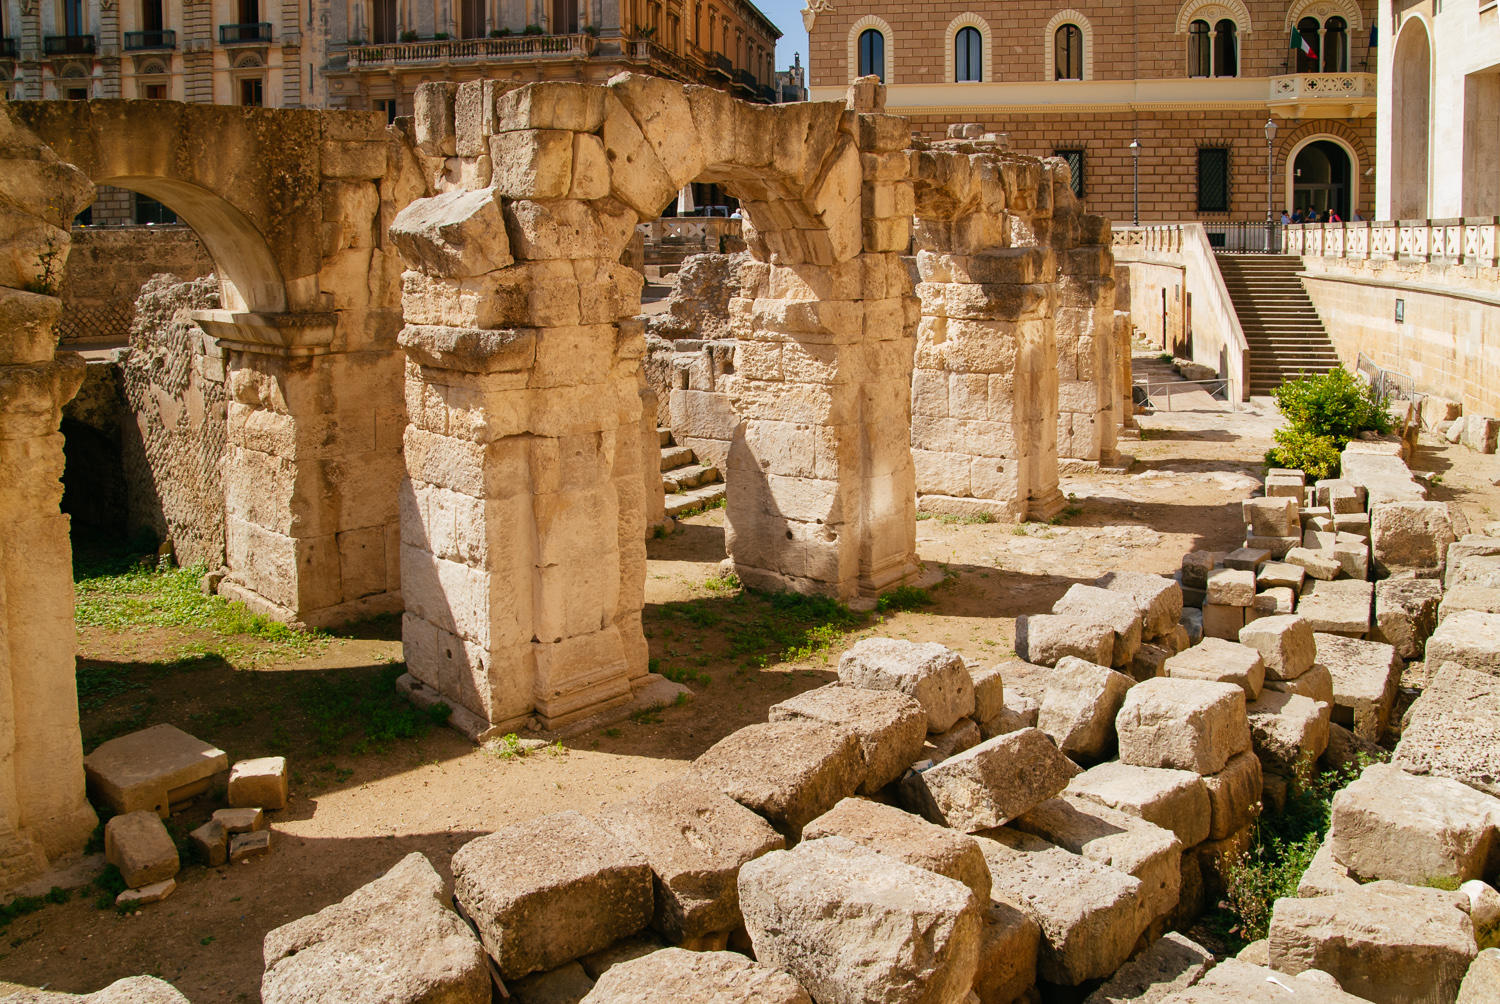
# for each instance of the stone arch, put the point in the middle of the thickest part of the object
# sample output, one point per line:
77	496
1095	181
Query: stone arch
880	25
1332	131
1349	10
969	19
1049	42
1213	11
1411	69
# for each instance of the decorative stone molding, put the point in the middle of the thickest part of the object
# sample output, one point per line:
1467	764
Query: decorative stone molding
1049	42
1213	11
1349	10
969	19
880	25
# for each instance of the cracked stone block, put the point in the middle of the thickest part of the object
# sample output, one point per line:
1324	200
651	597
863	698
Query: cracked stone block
1453	729
908	838
1406	613
790	772
1289	732
152	769
1192	725
994	782
1223	662
139	845
936	676
1366	675
1175	800
891	726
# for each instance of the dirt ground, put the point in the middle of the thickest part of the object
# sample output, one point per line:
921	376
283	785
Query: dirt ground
359	806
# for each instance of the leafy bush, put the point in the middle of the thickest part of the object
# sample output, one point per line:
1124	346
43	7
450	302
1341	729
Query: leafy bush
1317	456
1323	412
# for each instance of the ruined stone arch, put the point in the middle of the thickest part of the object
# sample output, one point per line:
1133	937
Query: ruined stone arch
1214	11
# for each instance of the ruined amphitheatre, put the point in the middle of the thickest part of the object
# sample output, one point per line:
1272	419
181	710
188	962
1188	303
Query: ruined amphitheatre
441	403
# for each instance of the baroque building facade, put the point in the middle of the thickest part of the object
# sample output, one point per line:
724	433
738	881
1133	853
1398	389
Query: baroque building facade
1163	109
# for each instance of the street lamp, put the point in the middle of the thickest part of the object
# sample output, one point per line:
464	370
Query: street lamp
1270	190
1135	179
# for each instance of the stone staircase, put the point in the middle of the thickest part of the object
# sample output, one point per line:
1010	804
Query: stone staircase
689	485
1281	326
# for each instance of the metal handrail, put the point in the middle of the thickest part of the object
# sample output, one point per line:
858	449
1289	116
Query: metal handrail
136	41
239	34
68	45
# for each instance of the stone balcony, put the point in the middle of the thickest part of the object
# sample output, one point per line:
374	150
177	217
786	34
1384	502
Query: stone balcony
1323	95
449	51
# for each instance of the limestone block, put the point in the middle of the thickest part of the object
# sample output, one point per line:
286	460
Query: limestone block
1192	725
1150	661
1453	729
1280	573
139	845
1481	982
1317	564
1485	599
551	104
152	769
1324	875
1484	911
1221	661
567	984
934	675
1473	558
1235	981
1046	638
994	782
1275	548
1385	942
1345	748
989	693
432	107
1233	796
1176	800
260	783
1353	557
1277	516
1365	675
1119	611
1090	914
853	925
1221	620
1231	587
1470	638
790	772
1285	644
210	843
154	893
695	839
1339	495
1173	962
30	320
244	846
1356	523
1196	566
674	974
1008	946
453	235
1389	824
596	964
1339	607
1289	732
890	726
942	745
908	838
1406	613
1158	597
550	889
1278	600
345	951
243	820
1246	559
1480	433
1079	706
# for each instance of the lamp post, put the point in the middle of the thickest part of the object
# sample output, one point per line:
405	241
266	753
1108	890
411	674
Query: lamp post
1270	190
1135	179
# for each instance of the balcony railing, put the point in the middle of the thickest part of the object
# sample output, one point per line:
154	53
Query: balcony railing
1473	240
9	49
258	32
471	50
140	41
640	50
721	65
68	45
1326	95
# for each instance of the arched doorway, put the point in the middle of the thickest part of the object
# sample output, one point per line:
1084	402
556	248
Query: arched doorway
1322	179
1409	117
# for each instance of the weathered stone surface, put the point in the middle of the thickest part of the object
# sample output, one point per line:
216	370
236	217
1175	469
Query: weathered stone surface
908	838
1279	574
1157	597
942	745
1231	587
1289	732
1235	981
996	781
261	783
1389	824
1485	599
152	768
393	940
455	234
672	975
567	984
1246	559
934	675
1345	748
596	964
1469	638
146	894
1324	875
1223	620
1285	643
791	772
1481	983
1220	661
989	693
1315	563
1192	725
1272	517
1385	942
1090	914
1484	911
139	845
695	838
1008	946
133	990
1338	607
1175	800
1079	707
1316	683
240	820
1453	729
1150	661
1233	796
245	846
1173	962
210	843
1119	611
1406	613
548	890
1410	537
852	925
1366	675
1045	638
890	725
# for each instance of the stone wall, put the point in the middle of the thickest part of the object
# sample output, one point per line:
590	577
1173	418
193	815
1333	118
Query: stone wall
106	270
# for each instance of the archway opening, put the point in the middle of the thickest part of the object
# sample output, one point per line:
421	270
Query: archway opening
1410	113
1322	178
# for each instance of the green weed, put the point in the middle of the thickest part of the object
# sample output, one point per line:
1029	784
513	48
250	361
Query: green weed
677	675
903	598
726	583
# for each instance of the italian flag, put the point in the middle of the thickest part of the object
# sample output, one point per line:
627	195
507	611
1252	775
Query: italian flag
1300	43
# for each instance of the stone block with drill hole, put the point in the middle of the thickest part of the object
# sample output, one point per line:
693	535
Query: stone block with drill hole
1388	824
1285	643
1469	638
260	783
1231	587
210	843
908	838
246	846
696	839
890	725
1233	796
1175	800
1385	942
1406	613
1223	621
942	745
1278	601
931	673
1079	707
1196	566
790	772
1194	725
1453	729
1116	610
1317	564
1366	675
1008	946
989	692
1338	607
1173	962
1157	597
674	974
1280	573
152	769
852	925
994	782
1244	559
139	845
1277	516
549	890
1090	914
345	952
1045	638
1150	853
1221	661
1289	732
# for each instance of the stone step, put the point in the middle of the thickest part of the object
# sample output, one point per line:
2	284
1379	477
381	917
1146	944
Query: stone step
691	476
673	457
695	498
663	436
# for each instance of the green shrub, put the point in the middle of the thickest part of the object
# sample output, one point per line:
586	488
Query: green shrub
1323	412
1317	456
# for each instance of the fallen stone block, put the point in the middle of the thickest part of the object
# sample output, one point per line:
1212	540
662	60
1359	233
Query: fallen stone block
567	984
934	675
994	782
1118	611
1410	537
1356	523
1171	963
1285	643
989	693
1235	981
1192	623
791	772
1278	516
1366	675
345	952
1481	984
1338	607
1221	620
1353	557
852	925
1192	725
134	990
1324	875
1280	573
1385	942
1485	599
1474	559
1273	602
939	747
152	769
1345	748
908	838
1090	914
596	964
1196	566
1231	587
1150	661
1469	638
1043	639
1406	613
1233	796
696	839
891	726
1453	729
1314	563
673	975
139	845
1244	559
261	783
1079	707
1158	598
1385	476
1176	800
1222	662
1389	824
1339	495
210	843
1289	732
1484	911
551	889
1480	433
245	846
240	820
1008	946
1217	858
145	895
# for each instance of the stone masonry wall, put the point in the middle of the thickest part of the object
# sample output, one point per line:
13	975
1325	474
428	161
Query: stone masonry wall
107	268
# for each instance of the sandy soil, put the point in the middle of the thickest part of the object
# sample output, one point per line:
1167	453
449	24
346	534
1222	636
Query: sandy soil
354	814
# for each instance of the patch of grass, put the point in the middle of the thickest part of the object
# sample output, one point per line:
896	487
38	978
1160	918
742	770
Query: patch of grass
108	884
613	733
508	747
726	583
649	715
903	598
965	519
677	675
362	709
925	515
1068	513
20	906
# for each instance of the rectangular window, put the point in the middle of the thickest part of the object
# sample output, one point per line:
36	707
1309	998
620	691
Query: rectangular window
387	105
77	93
1213	179
149	211
252	92
156	92
1075	165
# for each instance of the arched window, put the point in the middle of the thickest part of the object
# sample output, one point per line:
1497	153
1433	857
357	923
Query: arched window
1335	45
1200	57
1307	28
1067	48
1226	49
968	55
872	53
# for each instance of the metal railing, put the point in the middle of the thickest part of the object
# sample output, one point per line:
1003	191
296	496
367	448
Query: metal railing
651	53
473	49
721	65
68	45
137	41
1218	389
242	34
1247	237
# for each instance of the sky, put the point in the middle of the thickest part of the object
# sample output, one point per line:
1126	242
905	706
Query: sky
786	15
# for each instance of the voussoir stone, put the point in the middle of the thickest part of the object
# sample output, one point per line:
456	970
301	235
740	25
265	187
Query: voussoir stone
996	781
345	952
891	726
790	772
908	838
1192	725
933	674
675	975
